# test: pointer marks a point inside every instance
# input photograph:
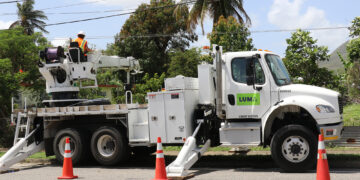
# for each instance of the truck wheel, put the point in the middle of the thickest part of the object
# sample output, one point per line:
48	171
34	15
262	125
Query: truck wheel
293	148
109	146
78	145
143	151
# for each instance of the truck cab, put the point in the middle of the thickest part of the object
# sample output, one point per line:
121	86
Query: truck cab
261	106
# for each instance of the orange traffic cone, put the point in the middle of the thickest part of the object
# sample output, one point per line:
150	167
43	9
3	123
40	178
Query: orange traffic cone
67	165
160	171
322	170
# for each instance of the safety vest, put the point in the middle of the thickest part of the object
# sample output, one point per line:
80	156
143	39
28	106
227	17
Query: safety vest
81	43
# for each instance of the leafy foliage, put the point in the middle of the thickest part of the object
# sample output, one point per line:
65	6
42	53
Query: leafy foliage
355	27
353	67
151	84
232	35
352	62
18	51
184	63
9	85
23	50
148	35
29	18
216	8
302	55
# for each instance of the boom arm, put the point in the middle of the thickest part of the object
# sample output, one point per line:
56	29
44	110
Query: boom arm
62	72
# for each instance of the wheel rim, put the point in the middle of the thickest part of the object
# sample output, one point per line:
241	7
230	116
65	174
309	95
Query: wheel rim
61	145
295	149
106	145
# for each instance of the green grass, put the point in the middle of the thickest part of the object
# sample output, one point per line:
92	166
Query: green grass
39	155
352	115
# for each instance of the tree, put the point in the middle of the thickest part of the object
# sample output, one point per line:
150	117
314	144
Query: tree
184	63
216	9
9	86
23	52
150	33
232	35
29	18
302	55
355	27
352	63
151	84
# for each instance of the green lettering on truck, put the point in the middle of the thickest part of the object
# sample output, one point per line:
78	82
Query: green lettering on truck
246	99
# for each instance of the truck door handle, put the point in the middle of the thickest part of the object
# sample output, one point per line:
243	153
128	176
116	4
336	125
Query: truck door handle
153	118
258	88
231	99
172	117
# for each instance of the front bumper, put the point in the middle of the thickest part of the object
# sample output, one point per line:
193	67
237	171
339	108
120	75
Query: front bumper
331	132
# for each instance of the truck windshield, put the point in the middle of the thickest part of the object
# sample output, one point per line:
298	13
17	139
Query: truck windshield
278	69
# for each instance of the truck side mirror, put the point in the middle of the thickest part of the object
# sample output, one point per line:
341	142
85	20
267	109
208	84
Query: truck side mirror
250	72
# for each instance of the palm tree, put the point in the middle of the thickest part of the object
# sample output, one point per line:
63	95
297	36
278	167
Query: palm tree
216	8
29	18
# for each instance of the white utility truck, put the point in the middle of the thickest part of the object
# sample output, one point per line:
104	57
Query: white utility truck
242	99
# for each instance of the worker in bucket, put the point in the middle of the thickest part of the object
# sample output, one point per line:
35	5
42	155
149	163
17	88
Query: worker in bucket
83	44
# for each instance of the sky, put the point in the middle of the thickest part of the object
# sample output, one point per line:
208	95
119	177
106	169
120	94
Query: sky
265	15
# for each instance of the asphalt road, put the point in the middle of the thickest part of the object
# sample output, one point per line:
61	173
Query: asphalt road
45	172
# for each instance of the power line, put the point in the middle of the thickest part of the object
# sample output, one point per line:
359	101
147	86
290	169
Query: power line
72	13
121	14
305	29
8	2
71	5
179	35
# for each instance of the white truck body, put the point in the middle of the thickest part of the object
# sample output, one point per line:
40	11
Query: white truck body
253	113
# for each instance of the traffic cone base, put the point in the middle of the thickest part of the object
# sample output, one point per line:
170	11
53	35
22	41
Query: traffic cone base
322	169
160	171
67	164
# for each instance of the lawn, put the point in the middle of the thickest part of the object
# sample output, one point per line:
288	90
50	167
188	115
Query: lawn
39	155
352	115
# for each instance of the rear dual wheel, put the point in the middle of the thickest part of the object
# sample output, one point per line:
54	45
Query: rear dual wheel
109	146
78	145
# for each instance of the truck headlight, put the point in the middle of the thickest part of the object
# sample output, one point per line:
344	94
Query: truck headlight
324	109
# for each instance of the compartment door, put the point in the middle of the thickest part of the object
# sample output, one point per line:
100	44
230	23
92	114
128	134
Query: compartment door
175	117
157	117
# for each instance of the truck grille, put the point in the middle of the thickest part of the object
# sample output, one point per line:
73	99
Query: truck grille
341	104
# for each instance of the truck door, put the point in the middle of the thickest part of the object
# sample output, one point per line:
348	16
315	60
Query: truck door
246	100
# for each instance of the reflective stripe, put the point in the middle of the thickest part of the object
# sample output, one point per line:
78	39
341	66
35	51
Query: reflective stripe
321	145
331	138
160	155
82	46
159	146
159	151
322	156
67	146
67	155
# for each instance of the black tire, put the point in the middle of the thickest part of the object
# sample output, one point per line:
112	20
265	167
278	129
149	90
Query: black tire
115	149
296	158
78	145
143	151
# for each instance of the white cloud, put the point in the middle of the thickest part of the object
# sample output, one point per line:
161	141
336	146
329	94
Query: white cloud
5	25
288	14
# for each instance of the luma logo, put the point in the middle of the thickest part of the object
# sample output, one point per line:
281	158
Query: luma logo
248	99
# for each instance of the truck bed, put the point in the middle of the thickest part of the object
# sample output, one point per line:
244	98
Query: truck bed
81	110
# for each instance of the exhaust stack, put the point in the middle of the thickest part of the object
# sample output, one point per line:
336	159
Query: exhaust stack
219	90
